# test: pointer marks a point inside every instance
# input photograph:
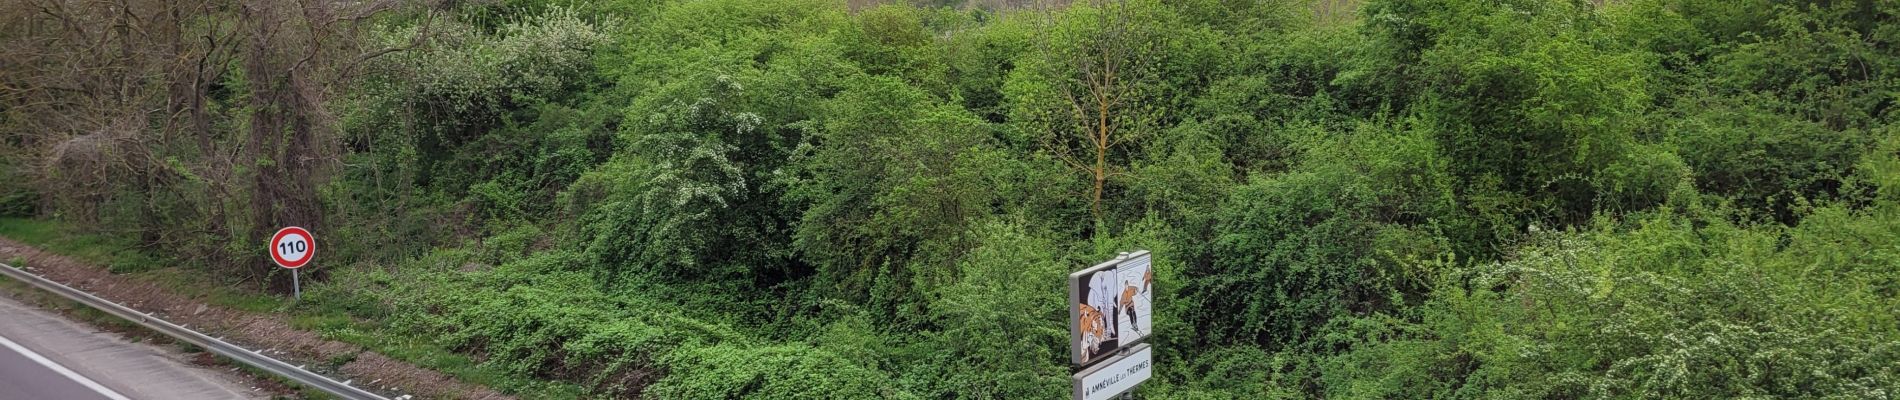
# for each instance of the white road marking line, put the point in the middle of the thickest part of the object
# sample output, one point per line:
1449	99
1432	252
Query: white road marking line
49	364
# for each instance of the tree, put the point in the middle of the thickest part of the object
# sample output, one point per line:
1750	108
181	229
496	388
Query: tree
293	57
128	110
1097	60
889	182
686	197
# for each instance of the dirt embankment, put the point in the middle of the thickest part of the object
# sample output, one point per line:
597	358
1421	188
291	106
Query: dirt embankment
270	332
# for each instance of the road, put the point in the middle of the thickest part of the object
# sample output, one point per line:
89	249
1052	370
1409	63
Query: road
29	375
45	356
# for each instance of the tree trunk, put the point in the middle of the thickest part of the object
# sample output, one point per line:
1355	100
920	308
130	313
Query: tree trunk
284	125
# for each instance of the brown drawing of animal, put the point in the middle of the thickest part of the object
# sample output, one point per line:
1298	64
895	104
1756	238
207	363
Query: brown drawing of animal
1094	327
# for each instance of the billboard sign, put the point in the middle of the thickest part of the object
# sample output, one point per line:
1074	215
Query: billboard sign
1106	380
1110	305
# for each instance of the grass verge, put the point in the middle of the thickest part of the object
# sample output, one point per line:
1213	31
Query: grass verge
333	323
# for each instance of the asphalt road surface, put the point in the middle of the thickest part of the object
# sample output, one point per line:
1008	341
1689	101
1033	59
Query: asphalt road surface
44	356
26	375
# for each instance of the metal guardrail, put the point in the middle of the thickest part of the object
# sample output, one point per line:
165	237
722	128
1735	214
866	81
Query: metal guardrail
220	347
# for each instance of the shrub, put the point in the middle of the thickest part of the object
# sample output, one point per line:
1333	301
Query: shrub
768	372
1001	321
888	183
686	194
1664	305
1294	251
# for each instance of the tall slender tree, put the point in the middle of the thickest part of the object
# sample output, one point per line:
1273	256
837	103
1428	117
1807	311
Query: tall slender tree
1100	63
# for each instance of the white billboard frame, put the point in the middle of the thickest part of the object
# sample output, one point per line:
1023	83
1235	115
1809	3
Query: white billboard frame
1134	273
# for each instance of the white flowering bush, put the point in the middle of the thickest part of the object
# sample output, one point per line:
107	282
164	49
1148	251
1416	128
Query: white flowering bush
497	116
549	51
459	67
680	199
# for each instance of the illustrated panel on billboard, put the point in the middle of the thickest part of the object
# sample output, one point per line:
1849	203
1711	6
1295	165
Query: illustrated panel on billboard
1111	305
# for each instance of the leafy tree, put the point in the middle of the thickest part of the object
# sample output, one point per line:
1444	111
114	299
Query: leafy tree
682	198
891	181
1295	251
1088	89
1661	306
1001	314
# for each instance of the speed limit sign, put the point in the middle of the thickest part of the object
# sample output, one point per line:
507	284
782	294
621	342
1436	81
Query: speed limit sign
292	247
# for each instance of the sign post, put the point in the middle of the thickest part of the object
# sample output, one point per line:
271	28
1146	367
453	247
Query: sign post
1111	308
292	247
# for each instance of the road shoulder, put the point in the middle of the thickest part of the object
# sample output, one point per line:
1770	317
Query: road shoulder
138	370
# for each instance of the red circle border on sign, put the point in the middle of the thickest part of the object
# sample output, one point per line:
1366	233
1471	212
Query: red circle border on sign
281	262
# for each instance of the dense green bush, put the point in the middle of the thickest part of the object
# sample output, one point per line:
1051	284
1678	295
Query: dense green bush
1296	250
685	194
1000	335
890	174
778	372
1765	159
1659	306
453	97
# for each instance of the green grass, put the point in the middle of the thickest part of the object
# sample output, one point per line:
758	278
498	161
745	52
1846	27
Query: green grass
31	231
119	256
192	282
336	324
332	322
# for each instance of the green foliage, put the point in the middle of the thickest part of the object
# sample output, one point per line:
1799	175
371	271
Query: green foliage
1662	306
1001	315
807	202
684	197
981	60
1294	251
1530	95
1764	159
684	41
17	199
889	175
116	254
806	199
777	372
1880	167
1816	60
464	78
19	203
1234	372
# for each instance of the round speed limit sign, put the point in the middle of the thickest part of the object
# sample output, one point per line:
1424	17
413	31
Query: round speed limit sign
292	247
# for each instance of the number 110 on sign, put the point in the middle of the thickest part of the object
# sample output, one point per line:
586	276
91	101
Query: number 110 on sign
292	247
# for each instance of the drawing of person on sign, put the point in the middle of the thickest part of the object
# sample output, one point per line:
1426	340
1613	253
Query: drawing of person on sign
1099	324
1135	300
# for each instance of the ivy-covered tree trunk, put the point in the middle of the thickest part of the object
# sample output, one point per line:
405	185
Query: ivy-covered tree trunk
286	123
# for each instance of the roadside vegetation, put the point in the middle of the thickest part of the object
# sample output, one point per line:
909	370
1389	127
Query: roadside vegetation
820	199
